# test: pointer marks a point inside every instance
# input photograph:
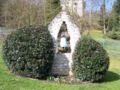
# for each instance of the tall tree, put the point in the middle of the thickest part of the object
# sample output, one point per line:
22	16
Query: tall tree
103	16
114	20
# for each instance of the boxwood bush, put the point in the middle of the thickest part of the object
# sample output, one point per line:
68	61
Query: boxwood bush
90	61
29	52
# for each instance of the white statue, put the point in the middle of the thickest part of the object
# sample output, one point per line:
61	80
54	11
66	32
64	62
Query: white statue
63	42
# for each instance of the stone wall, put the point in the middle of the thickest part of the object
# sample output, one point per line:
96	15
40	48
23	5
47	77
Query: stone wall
73	6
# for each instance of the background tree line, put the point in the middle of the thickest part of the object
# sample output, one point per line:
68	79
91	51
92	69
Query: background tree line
2	2
96	16
18	13
114	21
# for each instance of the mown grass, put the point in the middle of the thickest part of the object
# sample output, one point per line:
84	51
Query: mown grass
9	81
112	46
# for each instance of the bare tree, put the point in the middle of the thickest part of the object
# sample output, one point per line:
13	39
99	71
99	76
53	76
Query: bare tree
104	15
91	16
20	13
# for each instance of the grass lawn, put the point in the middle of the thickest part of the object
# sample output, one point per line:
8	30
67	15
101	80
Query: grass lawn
8	81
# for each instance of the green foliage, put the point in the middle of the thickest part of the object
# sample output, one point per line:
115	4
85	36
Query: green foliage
116	7
56	1
114	35
114	19
52	9
29	52
90	60
114	22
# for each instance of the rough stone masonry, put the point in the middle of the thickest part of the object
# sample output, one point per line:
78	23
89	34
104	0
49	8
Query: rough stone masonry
63	61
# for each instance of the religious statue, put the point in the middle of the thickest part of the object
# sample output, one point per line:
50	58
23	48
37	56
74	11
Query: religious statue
63	39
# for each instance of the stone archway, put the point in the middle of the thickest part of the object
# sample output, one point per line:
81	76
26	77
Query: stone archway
63	40
62	58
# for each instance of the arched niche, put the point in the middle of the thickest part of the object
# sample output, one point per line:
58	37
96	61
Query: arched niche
63	40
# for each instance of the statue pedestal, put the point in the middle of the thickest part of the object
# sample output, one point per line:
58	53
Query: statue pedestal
61	64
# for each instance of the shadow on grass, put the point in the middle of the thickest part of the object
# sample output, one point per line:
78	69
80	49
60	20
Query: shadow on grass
111	76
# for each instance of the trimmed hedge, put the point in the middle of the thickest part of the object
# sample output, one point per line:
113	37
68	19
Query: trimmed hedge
29	52
90	61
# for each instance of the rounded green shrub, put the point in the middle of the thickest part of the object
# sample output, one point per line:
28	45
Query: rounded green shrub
90	61
29	52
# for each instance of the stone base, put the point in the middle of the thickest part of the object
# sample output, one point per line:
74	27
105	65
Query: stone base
61	65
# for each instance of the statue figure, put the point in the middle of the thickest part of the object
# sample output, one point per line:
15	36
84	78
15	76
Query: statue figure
64	39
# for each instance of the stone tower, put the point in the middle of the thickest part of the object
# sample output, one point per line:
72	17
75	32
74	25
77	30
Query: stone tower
63	61
74	6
